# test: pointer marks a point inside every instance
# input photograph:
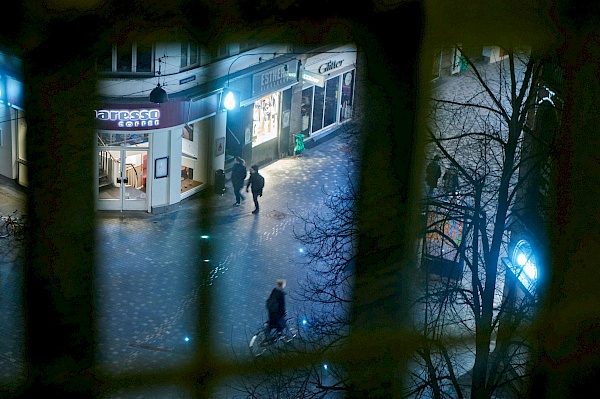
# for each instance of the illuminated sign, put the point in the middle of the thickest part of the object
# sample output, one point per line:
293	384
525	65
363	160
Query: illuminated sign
329	66
274	78
313	78
131	118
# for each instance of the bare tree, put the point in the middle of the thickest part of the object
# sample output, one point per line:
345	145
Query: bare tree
478	129
472	333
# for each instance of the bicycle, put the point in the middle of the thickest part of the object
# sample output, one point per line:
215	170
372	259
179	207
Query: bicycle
260	341
12	225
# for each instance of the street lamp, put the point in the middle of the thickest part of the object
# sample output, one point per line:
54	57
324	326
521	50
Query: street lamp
158	95
524	258
230	99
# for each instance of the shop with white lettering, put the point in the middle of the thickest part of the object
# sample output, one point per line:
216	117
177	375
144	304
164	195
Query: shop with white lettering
151	156
328	81
259	131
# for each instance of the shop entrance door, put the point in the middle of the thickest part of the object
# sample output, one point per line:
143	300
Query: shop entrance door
122	179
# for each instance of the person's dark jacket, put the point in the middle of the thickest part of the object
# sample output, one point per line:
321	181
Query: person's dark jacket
279	295
238	175
434	172
257	182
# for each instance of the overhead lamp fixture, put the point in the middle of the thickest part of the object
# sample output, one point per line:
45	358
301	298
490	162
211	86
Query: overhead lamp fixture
158	95
230	99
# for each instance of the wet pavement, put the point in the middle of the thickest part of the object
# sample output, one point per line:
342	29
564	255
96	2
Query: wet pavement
147	278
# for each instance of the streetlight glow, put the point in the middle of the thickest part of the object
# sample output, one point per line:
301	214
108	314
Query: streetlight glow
229	101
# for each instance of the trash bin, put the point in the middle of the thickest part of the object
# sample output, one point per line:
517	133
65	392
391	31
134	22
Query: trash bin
299	143
220	181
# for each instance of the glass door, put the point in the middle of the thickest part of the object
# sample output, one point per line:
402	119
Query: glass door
122	179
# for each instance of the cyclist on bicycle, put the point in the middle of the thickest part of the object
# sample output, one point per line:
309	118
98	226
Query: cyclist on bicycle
276	309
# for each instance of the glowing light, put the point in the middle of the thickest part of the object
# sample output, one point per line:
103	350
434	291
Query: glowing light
301	250
304	322
203	236
521	259
186	339
530	270
229	101
325	366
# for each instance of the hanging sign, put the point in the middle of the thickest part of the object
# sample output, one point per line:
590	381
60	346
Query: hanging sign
273	79
313	78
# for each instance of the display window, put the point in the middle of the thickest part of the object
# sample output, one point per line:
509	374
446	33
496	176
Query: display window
331	101
189	160
306	109
347	96
324	106
266	119
318	109
122	139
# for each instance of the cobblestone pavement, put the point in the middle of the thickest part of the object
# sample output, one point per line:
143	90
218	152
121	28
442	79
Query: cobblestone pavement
147	272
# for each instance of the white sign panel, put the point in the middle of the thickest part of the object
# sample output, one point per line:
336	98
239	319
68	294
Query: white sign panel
332	60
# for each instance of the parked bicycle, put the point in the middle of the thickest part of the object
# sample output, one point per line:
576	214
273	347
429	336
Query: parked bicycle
266	338
12	225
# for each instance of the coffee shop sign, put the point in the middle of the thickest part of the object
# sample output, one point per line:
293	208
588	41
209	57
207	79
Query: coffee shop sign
131	118
328	66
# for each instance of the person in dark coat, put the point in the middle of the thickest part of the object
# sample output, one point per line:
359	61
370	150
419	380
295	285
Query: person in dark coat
258	183
276	308
450	181
238	175
434	172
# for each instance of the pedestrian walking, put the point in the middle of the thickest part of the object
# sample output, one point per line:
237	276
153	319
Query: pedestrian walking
276	309
434	172
450	181
258	183
238	175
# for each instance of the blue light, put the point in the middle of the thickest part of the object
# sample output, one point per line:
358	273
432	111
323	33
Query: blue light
325	366
186	339
304	322
301	250
204	237
230	101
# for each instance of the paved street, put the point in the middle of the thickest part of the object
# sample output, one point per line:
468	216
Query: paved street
147	280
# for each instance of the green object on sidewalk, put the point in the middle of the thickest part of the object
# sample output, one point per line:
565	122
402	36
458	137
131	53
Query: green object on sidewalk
299	143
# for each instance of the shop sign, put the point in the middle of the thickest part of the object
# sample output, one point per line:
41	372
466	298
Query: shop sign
326	63
275	78
145	116
313	78
130	118
330	66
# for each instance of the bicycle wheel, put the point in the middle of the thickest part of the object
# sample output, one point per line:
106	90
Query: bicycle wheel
6	228
19	229
258	343
291	331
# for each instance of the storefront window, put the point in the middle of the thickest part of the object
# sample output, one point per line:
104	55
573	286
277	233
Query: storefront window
305	110
318	109
124	139
347	96
331	101
266	119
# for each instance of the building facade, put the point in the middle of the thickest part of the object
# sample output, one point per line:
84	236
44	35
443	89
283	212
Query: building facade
151	155
13	159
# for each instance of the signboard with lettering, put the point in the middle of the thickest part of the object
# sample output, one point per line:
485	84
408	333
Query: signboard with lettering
313	78
330	61
149	116
273	79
